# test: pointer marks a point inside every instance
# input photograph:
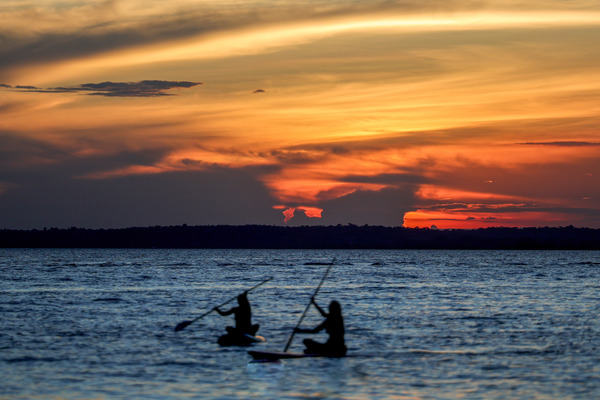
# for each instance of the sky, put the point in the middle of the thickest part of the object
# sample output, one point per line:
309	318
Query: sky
417	113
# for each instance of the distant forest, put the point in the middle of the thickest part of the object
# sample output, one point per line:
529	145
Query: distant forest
304	237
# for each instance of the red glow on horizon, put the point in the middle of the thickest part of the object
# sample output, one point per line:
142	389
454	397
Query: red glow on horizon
461	220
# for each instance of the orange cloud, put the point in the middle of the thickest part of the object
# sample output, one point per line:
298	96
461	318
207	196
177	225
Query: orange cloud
312	212
431	192
289	212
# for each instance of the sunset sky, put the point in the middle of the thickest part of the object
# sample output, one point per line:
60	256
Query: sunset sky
455	113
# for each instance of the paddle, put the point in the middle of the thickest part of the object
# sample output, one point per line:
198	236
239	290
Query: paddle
184	324
287	346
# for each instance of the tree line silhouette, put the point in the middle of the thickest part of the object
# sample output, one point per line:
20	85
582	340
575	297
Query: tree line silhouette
304	237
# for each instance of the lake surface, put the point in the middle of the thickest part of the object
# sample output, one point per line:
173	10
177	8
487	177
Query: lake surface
99	324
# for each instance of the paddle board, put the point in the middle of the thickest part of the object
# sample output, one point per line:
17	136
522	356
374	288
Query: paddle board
278	355
239	340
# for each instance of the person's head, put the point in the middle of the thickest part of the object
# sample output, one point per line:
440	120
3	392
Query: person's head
243	298
335	308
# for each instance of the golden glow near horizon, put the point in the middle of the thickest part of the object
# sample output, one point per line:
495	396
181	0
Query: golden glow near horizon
386	112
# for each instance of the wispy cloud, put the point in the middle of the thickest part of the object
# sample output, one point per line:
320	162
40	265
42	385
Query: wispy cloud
72	29
76	30
147	88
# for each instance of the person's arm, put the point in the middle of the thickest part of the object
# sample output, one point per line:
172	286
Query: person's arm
323	313
225	313
318	328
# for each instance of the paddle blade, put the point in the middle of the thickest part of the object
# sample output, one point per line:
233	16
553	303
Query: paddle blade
182	325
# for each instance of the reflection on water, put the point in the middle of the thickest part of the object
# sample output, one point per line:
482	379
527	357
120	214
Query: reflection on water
419	324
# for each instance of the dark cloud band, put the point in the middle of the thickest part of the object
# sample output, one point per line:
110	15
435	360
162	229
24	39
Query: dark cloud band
562	144
147	88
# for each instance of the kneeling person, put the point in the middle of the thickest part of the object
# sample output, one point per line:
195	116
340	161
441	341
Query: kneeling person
243	321
334	326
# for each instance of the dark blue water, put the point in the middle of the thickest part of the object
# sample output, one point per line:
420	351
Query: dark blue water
98	324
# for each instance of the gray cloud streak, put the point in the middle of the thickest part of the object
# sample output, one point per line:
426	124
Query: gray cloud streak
147	88
562	144
511	208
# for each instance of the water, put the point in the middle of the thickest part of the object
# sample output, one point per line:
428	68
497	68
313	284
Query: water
98	324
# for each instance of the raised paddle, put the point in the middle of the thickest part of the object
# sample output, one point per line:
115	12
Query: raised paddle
184	324
287	346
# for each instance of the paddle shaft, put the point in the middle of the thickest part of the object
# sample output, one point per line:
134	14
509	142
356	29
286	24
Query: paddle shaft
184	324
287	346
